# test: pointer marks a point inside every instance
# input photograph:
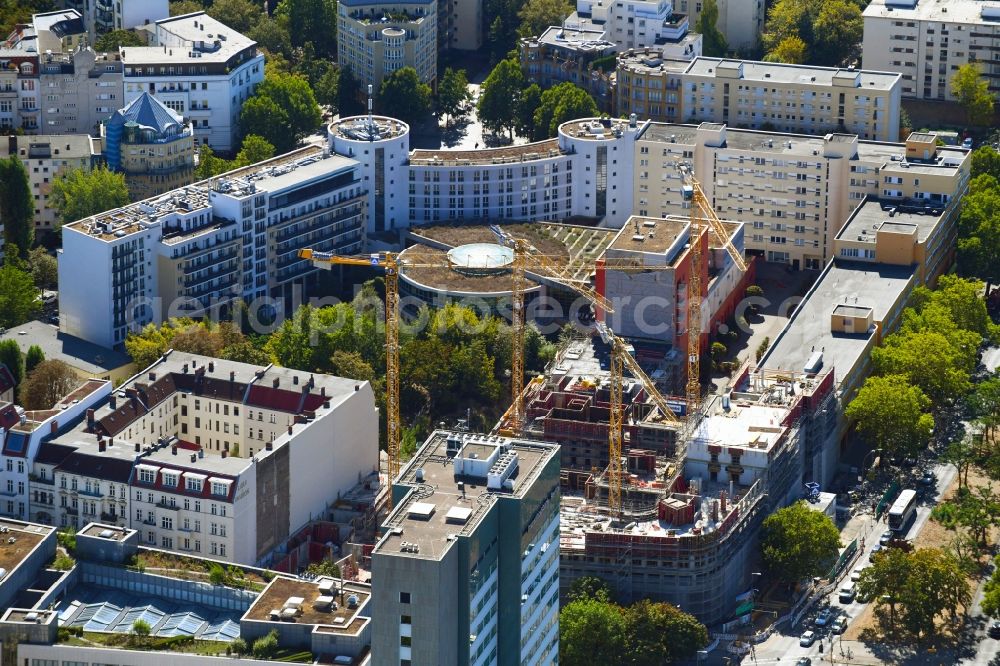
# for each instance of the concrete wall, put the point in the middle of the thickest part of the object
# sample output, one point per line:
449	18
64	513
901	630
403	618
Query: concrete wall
22	575
204	594
66	654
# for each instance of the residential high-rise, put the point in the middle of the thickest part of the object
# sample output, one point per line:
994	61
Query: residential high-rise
376	37
79	90
926	41
467	571
200	68
103	16
151	145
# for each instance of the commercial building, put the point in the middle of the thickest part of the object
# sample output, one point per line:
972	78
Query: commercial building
375	38
740	22
199	68
326	618
47	157
198	248
151	145
926	41
183	451
103	16
78	90
467	570
793	192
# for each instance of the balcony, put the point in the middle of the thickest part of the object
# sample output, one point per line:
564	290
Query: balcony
210	275
167	505
111	517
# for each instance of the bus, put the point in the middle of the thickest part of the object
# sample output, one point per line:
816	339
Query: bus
902	511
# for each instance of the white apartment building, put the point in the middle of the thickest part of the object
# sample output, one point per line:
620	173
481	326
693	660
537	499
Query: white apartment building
633	23
19	106
198	248
46	157
926	41
186	451
793	192
101	16
199	68
375	38
79	90
741	22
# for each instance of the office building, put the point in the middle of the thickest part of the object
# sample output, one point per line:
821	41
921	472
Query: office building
196	249
467	570
151	145
78	90
103	16
741	22
199	68
926	41
376	38
794	192
47	157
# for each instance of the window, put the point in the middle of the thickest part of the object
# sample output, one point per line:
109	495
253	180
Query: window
404	597
193	485
167	523
220	489
147	476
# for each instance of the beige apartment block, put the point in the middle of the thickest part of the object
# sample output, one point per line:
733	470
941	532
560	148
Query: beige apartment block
926	41
374	39
740	21
649	85
79	90
793	192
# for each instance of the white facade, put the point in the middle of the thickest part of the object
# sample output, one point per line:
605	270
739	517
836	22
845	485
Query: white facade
926	41
741	22
201	69
633	23
200	247
102	16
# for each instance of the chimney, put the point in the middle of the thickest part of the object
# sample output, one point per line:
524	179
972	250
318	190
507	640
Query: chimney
137	449
201	453
194	457
185	368
723	500
312	381
295	380
173	450
224	453
90	419
270	445
322	391
232	375
276	383
114	402
54	427
289	430
211	366
101	446
111	441
152	376
357	387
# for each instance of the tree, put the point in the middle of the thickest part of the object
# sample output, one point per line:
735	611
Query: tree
985	160
562	103
34	356
591	632
245	352
713	41
254	149
453	93
791	50
311	21
589	587
352	365
111	41
324	568
837	27
797	542
272	36
537	15
991	592
327	89
531	99
283	111
892	413
44	268
17	207
973	93
403	95
929	361
350	95
141	628
266	646
500	96
240	15
82	193
979	221
12	357
47	384
209	164
179	7
976	509
18	296
660	633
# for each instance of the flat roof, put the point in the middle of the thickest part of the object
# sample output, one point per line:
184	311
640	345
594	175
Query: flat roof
588	37
852	310
503	155
101	531
60	346
651	59
946	11
742	426
775	72
178	36
650	234
877	286
431	534
344	619
26	537
872	215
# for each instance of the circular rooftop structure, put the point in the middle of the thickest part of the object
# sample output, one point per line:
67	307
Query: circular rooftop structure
480	258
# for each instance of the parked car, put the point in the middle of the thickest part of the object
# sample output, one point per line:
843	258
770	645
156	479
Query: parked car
847	592
804	661
967	143
928	479
823	618
886	537
807	639
839	625
994	629
856	574
875	549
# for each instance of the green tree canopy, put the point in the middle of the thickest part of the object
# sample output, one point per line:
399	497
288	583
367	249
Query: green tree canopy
892	413
985	160
660	633
47	384
837	29
283	111
240	15
312	21
591	632
34	356
402	95
327	89
713	42
44	268
929	361
500	96
18	296
791	50
991	592
562	103
111	41
254	149
272	35
453	94
979	220
589	587
820	32
975	509
17	207
531	99
179	7
13	12
973	93
13	358
82	193
797	542
537	15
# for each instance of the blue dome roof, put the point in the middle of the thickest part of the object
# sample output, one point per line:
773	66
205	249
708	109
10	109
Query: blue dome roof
149	113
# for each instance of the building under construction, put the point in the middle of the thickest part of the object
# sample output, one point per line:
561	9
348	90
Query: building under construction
688	533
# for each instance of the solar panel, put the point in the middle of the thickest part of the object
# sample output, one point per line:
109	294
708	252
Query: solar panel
222	629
